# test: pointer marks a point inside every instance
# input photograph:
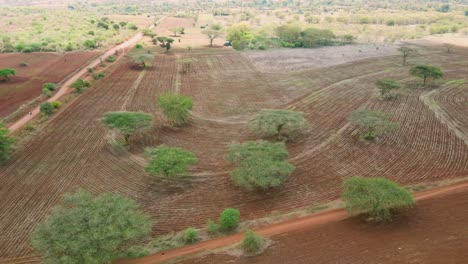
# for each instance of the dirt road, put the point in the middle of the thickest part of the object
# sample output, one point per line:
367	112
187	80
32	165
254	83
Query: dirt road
279	228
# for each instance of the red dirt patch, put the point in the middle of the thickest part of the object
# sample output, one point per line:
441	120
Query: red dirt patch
43	68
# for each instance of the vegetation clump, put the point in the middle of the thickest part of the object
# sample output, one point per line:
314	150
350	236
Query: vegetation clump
373	124
80	85
375	196
103	228
259	164
6	143
386	86
252	243
229	219
168	161
127	122
426	72
6	72
190	236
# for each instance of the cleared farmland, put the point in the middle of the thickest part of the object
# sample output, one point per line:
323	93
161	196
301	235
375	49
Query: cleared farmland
72	152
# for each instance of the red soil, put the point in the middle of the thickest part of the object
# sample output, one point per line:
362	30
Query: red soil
43	68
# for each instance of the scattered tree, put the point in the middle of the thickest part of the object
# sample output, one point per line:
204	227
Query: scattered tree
426	71
259	164
175	30
90	230
175	107
252	243
6	143
406	52
229	219
6	72
127	122
186	64
282	124
168	161
386	86
143	61
372	123
165	42
375	196
212	35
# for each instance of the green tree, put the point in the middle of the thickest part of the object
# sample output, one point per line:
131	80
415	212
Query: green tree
252	243
313	37
142	60
212	35
372	123
79	85
46	108
175	30
406	52
6	72
168	161
282	124
386	86
90	230
426	71
229	219
165	42
49	86
239	36
375	196
127	122
6	143
259	164
175	107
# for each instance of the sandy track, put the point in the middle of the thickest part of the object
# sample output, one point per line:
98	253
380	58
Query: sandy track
280	228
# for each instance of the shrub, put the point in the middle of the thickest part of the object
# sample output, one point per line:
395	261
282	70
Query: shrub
229	219
386	86
46	108
56	104
6	143
79	85
110	59
24	64
90	44
116	26
372	123
175	107
90	70
168	161
259	164
6	72
46	92
132	27
252	243
375	196
190	236
136	252
108	222
138	46
98	76
212	228
49	86
282	124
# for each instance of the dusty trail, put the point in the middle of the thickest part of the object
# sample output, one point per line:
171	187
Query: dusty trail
280	228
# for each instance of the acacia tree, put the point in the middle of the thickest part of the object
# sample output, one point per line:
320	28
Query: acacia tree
259	164
175	107
6	143
426	71
127	122
143	61
175	30
165	42
375	196
168	162
406	52
372	123
282	124
6	72
90	230
212	35
386	86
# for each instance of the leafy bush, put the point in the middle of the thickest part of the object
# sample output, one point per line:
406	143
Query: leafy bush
168	161
376	196
282	124
136	252
175	107
138	46
132	26
79	85
6	72
56	104
49	86
229	219
190	236
252	243
90	70
46	108
259	164
98	76
127	122
46	92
